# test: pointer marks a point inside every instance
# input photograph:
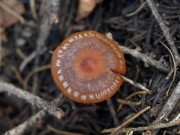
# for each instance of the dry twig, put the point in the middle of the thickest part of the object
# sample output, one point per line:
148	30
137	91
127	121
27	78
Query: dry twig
32	99
116	130
29	58
36	70
147	60
164	29
1	31
17	74
130	103
57	131
27	125
51	11
170	104
151	127
112	111
53	8
175	69
137	10
138	85
32	4
130	96
54	14
20	53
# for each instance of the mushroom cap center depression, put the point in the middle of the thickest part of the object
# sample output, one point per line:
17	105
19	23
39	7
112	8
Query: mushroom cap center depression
90	63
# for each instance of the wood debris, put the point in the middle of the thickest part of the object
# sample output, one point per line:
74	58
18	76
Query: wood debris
86	7
6	18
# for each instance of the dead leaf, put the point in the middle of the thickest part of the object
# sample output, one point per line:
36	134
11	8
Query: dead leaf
7	19
86	7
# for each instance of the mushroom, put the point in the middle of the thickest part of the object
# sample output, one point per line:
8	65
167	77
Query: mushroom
85	66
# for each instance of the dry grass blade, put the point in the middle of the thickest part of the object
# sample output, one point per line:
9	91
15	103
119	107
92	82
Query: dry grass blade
175	69
115	130
50	128
36	70
137	10
151	127
130	96
33	8
130	103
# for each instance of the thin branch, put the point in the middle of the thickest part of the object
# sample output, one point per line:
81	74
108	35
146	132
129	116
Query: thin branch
147	60
117	129
60	132
138	85
27	60
1	31
140	56
130	96
28	124
32	5
130	103
151	127
170	104
164	28
34	71
112	111
50	16
54	14
175	69
32	99
51	10
137	10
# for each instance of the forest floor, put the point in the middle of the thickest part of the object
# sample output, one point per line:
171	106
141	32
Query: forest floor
148	33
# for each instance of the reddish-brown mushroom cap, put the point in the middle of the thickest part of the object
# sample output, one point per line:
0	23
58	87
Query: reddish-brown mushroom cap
82	67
